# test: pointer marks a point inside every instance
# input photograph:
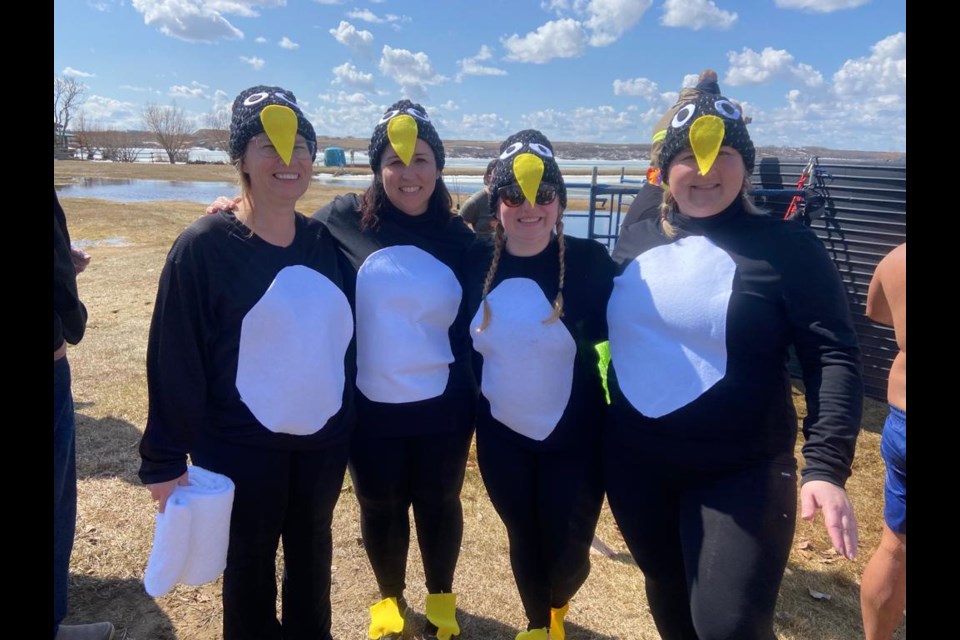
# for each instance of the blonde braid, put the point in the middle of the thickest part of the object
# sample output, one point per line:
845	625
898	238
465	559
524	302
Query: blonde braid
491	272
562	250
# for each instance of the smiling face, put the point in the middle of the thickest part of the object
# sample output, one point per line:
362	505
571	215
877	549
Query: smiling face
528	227
270	180
701	196
409	187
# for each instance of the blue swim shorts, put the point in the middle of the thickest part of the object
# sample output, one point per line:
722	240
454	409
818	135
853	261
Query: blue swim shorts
893	448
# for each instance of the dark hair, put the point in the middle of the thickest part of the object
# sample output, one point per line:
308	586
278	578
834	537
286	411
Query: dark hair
374	198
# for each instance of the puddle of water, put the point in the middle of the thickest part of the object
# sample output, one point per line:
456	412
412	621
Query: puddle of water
119	190
108	242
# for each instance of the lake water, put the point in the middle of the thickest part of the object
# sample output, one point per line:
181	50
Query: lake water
460	185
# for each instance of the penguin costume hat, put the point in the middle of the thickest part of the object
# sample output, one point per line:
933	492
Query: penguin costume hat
270	110
527	159
400	126
705	124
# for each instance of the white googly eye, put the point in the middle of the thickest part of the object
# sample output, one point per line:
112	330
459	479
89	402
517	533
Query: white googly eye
416	113
541	150
683	116
286	98
255	98
727	109
388	115
511	150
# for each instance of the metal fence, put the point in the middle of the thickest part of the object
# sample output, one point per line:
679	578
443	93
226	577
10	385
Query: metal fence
858	210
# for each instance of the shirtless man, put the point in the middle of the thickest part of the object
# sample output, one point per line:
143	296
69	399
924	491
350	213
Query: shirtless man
883	589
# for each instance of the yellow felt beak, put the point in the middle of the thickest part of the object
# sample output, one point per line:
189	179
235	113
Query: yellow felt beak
402	133
706	134
280	125
528	169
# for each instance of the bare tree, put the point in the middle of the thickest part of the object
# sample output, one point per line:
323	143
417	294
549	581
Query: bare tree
120	146
68	95
85	135
169	125
218	133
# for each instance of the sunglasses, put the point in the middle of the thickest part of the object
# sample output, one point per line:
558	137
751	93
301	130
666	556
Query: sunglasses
512	194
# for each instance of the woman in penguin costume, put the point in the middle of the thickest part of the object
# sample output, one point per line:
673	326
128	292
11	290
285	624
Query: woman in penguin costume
249	372
403	249
698	454
538	300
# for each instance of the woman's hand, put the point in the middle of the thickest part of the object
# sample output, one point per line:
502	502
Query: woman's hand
837	514
224	203
160	491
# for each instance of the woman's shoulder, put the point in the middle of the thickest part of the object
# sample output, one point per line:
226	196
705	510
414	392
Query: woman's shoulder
345	206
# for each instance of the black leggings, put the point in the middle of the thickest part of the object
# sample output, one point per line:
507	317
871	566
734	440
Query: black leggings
550	503
713	547
279	494
389	475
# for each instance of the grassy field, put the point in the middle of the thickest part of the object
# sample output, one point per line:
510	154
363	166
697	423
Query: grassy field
128	243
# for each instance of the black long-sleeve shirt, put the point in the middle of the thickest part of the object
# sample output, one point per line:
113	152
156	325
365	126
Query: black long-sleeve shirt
413	348
248	343
700	329
540	383
69	314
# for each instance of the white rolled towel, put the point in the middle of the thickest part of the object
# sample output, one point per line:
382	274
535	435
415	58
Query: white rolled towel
191	537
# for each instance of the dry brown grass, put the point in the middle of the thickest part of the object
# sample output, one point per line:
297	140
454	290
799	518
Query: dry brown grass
115	521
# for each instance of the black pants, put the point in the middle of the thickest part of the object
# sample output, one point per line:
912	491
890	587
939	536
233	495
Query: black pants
391	474
549	502
279	494
713	546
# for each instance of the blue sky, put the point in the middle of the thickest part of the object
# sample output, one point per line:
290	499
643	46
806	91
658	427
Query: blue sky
829	73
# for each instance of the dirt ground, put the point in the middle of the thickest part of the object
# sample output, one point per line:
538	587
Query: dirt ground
128	243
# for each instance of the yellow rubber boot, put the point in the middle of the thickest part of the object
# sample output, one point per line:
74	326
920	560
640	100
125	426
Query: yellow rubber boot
533	634
556	622
385	617
441	611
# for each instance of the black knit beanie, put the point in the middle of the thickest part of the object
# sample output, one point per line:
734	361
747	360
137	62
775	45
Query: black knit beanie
246	121
528	141
396	132
721	124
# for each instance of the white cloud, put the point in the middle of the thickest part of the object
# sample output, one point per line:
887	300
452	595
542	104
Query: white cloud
287	43
112	113
750	67
883	73
346	114
70	72
636	87
365	15
260	40
820	6
474	126
412	71
138	89
255	63
610	19
195	90
329	2
351	37
199	20
472	66
696	15
556	39
865	108
585	124
349	76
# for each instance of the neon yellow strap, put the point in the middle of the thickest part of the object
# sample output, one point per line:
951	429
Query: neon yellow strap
533	634
385	618
441	610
